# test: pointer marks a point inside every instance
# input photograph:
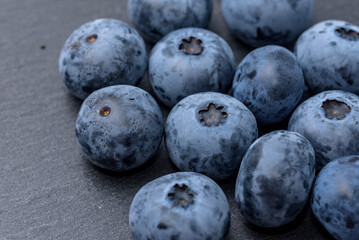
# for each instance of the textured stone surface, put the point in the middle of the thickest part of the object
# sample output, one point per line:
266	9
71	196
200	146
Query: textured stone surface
48	189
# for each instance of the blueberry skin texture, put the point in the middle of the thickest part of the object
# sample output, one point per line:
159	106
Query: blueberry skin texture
328	54
270	82
174	74
275	178
335	198
330	138
102	53
157	211
214	147
261	22
156	18
124	137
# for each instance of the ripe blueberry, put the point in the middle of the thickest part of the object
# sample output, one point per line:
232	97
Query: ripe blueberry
330	121
262	22
328	54
156	18
119	127
269	81
335	197
180	206
275	178
102	53
209	133
188	61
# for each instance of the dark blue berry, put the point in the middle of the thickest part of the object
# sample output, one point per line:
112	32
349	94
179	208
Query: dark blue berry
119	127
102	53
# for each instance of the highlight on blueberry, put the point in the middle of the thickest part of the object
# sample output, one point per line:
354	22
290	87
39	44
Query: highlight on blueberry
182	206
330	121
328	54
335	197
155	18
275	178
270	82
189	61
261	22
209	133
102	53
119	127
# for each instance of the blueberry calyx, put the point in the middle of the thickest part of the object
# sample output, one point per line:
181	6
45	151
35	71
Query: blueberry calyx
348	34
91	38
191	46
212	115
181	195
335	109
105	111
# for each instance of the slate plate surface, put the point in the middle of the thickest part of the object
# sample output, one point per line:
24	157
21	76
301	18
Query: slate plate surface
48	189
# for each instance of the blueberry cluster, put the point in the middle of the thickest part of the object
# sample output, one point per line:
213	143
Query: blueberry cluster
209	132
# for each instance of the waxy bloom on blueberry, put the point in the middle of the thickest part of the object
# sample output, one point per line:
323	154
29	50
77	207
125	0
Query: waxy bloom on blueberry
180	206
275	178
102	53
328	54
189	61
335	200
119	127
209	133
269	81
156	18
261	22
330	121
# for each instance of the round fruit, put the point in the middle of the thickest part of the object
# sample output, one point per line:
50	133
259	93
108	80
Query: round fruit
328	54
209	133
275	178
330	121
189	61
119	127
269	81
180	206
102	53
262	22
335	200
156	18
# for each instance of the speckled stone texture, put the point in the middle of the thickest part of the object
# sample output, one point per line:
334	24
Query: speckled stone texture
180	206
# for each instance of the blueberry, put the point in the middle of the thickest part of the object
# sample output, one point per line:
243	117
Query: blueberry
328	54
275	178
262	22
330	121
209	133
189	61
119	127
156	18
180	206
335	198
269	81
102	53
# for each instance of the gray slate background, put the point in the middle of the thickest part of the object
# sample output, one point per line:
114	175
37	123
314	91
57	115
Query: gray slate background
48	189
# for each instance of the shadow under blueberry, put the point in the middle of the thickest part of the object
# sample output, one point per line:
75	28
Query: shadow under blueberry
282	229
